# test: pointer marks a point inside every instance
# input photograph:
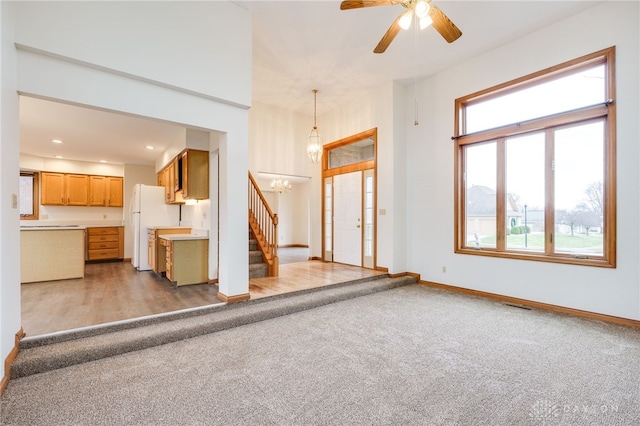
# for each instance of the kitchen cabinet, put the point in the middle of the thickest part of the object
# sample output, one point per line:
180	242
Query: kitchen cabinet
114	188
48	254
77	190
186	177
156	251
105	243
97	190
167	179
105	191
66	189
187	258
193	174
52	188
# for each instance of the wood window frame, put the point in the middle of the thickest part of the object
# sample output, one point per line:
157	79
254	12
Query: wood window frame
35	197
605	111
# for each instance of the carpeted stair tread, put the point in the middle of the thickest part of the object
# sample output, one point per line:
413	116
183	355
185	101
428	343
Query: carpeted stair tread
258	270
255	256
55	355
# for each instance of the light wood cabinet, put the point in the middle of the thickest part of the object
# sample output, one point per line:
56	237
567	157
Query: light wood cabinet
167	179
156	251
105	243
97	190
114	186
66	189
63	189
77	190
186	177
186	260
52	189
194	174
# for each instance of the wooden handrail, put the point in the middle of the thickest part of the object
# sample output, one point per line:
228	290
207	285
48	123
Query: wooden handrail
264	225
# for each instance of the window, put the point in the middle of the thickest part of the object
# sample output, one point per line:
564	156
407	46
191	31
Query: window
28	196
535	166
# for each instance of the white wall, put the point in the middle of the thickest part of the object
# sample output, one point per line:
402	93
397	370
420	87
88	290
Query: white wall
278	141
186	47
182	62
293	215
278	144
430	154
375	110
9	177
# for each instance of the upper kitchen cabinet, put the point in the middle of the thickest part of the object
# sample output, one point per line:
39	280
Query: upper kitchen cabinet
62	189
186	177
66	189
52	185
115	193
105	191
167	179
193	174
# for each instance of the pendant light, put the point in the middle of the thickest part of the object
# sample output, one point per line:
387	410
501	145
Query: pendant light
314	145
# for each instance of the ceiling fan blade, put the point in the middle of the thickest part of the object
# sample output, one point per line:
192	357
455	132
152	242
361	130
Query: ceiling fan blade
388	37
443	25
357	4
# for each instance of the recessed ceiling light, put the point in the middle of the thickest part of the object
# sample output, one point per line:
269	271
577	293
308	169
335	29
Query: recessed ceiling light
56	141
103	161
59	156
149	147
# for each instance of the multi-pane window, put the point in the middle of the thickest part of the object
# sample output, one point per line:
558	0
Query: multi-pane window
28	195
368	214
535	166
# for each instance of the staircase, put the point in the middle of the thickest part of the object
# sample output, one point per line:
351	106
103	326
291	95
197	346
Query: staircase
258	268
263	233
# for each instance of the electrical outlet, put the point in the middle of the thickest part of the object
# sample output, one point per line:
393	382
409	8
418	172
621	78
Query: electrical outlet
444	269
14	201
44	216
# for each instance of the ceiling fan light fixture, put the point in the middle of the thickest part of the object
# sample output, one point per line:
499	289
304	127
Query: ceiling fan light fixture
405	20
422	9
314	143
425	21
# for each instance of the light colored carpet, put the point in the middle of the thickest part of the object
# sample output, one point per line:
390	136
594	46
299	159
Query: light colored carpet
412	355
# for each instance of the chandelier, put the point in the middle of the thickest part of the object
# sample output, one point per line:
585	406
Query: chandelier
280	186
314	146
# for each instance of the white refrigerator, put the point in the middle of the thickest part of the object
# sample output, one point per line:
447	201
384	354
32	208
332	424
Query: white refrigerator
148	209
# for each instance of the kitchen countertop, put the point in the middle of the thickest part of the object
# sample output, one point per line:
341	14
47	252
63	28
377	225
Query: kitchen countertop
168	227
179	237
52	228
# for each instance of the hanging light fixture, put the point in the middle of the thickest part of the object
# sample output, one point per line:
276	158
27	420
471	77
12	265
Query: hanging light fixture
314	145
280	185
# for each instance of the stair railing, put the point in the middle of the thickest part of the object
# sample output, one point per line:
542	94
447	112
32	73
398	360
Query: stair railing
264	225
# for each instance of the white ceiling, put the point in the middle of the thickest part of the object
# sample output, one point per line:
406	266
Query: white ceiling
299	46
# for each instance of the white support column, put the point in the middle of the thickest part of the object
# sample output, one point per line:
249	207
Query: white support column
233	275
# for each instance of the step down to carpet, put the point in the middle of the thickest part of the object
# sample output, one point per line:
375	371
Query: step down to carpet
51	352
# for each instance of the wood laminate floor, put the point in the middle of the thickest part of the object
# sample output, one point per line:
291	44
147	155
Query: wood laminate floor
115	291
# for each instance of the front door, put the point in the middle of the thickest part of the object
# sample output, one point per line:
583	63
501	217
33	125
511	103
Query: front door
347	219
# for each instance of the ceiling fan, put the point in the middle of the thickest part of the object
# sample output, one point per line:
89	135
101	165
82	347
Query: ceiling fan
426	14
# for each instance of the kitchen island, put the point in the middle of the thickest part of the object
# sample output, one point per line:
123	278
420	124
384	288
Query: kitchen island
187	258
50	253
